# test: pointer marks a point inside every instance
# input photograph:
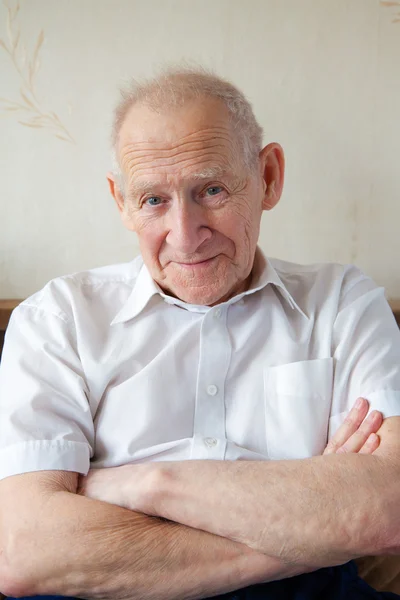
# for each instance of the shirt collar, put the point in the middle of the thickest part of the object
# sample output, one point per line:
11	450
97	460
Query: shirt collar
145	288
263	274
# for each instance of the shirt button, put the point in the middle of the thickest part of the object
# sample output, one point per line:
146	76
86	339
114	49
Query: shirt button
210	442
212	390
218	313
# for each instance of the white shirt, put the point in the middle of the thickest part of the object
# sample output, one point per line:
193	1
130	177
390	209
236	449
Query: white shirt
102	368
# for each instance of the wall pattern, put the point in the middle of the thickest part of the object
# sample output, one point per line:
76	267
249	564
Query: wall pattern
322	75
27	106
393	5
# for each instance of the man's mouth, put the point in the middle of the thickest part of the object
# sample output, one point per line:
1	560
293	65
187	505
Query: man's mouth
198	264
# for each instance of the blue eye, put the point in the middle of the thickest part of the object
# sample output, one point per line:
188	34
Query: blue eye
154	201
214	190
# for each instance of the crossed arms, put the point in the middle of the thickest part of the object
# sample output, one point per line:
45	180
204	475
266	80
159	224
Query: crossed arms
234	523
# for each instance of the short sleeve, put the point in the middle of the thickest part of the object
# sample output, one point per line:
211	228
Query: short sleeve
366	350
45	417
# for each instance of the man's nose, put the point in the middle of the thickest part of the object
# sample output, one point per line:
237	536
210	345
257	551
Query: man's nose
188	226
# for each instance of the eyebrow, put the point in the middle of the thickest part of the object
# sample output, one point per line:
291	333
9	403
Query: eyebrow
150	185
210	173
144	186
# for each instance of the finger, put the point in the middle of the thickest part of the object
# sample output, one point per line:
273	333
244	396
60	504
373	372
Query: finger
349	426
371	425
80	490
371	444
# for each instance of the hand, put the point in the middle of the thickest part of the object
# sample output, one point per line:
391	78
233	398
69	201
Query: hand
125	486
357	435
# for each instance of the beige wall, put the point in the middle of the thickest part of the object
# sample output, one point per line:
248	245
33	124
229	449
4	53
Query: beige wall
324	78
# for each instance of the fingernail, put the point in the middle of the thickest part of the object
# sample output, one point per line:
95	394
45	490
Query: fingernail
359	402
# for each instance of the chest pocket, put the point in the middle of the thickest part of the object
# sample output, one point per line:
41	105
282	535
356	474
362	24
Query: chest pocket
297	400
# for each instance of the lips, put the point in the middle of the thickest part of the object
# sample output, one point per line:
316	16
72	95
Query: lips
197	263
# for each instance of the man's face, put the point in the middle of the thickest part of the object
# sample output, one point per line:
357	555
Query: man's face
194	205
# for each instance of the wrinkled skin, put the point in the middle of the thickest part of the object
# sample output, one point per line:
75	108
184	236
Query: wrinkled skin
130	485
192	201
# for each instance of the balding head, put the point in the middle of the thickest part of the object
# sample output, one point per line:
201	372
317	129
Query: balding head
175	88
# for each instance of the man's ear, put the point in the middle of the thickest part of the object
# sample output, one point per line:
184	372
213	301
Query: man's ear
118	196
116	192
272	164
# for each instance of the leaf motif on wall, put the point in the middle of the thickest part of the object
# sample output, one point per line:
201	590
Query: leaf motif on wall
392	4
30	124
26	99
27	69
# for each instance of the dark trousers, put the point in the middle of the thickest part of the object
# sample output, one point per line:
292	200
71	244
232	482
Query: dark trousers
334	583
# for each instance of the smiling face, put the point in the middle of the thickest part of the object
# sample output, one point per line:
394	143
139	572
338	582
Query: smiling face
191	200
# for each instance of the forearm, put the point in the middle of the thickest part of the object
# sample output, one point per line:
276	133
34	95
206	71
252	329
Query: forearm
77	546
319	512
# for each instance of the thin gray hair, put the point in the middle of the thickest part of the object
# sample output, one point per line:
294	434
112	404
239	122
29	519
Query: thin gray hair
175	86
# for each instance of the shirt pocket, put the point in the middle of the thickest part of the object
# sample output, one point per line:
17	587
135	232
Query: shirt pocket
297	400
335	422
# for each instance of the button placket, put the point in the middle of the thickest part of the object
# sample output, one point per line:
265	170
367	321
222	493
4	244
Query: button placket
212	390
214	360
210	442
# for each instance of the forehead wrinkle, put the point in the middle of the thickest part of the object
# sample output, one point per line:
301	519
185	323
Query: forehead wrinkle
168	161
142	149
210	132
180	166
172	151
188	139
132	159
133	163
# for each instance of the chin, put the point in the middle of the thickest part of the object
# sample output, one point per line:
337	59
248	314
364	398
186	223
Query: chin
205	297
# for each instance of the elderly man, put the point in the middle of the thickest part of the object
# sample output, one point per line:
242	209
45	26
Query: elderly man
201	383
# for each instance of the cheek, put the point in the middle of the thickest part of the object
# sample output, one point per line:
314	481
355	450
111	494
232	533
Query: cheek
151	238
240	225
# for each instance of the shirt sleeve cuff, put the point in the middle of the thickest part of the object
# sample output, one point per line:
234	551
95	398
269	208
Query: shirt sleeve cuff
386	401
44	455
